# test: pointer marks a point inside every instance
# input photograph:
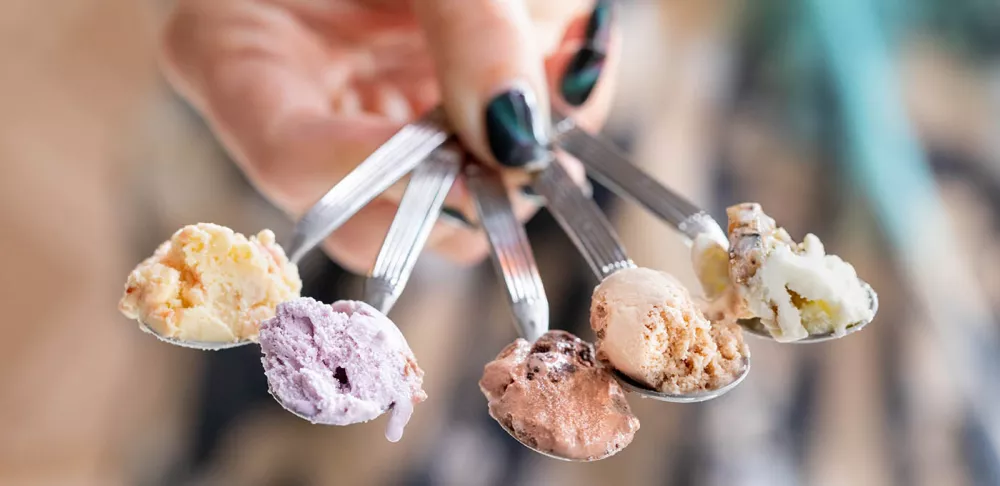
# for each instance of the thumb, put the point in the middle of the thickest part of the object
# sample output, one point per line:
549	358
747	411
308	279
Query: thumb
492	77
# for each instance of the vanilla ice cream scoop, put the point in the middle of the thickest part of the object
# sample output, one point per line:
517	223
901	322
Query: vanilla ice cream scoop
796	290
649	329
210	287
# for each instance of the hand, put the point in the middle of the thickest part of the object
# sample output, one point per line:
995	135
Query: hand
300	91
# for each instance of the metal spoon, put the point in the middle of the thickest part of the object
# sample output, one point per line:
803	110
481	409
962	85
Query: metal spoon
549	454
511	252
513	260
374	175
512	257
201	345
418	211
388	164
606	163
593	235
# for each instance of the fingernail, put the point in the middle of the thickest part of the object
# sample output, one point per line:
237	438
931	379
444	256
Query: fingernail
455	217
529	193
585	68
515	134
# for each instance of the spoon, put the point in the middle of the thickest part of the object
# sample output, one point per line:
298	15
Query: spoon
595	238
389	163
418	210
608	166
511	252
201	345
383	168
512	258
547	453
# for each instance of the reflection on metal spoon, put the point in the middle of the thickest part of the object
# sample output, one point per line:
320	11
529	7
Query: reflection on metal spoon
549	454
202	345
636	387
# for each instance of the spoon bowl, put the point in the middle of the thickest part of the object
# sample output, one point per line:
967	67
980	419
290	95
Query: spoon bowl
642	390
756	328
550	454
200	345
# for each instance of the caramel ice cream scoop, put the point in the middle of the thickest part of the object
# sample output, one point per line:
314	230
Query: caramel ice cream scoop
209	284
649	329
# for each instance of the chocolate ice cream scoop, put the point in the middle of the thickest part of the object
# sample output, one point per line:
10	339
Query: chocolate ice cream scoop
554	397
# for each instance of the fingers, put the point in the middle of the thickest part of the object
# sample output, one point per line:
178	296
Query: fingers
259	78
267	87
492	76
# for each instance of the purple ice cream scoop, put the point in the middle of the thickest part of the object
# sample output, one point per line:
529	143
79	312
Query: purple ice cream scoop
340	364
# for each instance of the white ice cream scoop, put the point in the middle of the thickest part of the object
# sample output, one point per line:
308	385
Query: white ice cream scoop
607	165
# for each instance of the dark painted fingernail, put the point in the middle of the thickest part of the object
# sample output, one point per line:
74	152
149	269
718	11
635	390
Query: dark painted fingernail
516	135
529	193
585	68
455	217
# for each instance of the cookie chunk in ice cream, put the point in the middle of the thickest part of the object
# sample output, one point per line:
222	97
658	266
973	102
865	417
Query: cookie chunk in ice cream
340	364
210	284
796	289
650	329
555	397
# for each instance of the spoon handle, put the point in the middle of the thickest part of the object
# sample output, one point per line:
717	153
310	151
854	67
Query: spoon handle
606	163
511	252
418	211
583	221
389	163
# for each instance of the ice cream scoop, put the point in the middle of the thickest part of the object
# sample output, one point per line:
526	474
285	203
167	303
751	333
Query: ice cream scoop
787	291
340	364
649	329
209	287
554	397
595	238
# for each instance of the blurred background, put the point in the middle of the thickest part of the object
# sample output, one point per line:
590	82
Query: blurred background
874	124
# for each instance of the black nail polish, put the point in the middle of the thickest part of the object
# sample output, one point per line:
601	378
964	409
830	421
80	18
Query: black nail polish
529	193
455	217
515	135
585	68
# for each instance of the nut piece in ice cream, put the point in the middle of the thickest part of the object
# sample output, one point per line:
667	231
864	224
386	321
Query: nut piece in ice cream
340	364
795	289
210	284
649	328
553	396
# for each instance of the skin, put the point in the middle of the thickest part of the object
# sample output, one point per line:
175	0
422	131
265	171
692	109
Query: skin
299	92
